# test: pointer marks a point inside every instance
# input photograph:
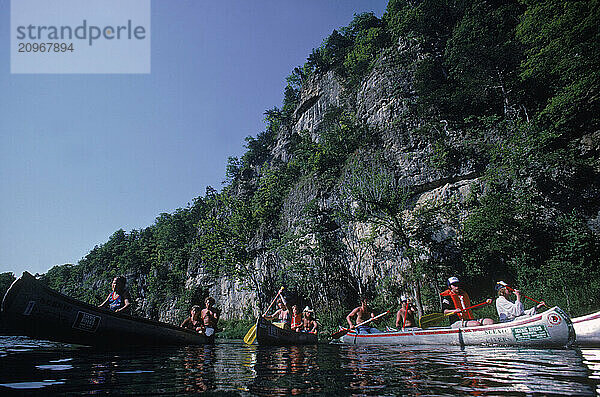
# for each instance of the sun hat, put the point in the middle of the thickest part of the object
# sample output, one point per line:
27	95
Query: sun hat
500	285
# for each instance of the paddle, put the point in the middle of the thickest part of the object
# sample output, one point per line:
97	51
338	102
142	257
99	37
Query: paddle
344	331
405	314
523	295
434	318
251	334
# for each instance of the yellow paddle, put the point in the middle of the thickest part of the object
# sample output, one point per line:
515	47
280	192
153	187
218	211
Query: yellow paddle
251	334
428	320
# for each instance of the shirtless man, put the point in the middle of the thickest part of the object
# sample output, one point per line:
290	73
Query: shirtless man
210	316
407	310
362	313
309	324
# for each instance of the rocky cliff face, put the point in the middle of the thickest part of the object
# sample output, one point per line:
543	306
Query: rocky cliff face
382	102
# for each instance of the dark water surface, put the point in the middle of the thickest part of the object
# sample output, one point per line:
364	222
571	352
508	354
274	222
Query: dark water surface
28	365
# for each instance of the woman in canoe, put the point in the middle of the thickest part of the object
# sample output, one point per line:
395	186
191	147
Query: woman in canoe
509	311
118	300
193	322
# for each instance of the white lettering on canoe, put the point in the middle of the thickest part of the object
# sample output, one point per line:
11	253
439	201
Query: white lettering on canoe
86	322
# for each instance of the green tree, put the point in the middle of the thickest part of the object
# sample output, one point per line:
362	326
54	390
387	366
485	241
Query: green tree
6	279
563	62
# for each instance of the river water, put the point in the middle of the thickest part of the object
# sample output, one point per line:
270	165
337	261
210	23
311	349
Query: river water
232	368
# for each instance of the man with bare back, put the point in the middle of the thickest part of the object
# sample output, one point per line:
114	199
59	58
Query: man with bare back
363	313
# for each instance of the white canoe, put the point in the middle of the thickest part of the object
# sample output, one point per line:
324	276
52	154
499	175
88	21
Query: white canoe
551	328
587	329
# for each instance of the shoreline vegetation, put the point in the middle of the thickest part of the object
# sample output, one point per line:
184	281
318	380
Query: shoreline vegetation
483	163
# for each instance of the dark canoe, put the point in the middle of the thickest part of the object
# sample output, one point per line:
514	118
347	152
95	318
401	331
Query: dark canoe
269	334
30	308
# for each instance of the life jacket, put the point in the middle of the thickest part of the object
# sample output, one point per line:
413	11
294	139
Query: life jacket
461	301
114	303
296	321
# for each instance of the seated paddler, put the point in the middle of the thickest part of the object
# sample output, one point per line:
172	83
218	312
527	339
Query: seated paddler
508	310
456	304
118	300
362	313
282	314
405	317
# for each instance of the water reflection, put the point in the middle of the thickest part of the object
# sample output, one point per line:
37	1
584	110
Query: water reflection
297	370
199	364
284	370
591	359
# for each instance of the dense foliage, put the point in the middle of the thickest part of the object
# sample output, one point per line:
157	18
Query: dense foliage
6	279
509	86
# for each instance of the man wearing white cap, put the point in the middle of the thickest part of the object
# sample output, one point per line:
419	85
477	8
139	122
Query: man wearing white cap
508	311
454	302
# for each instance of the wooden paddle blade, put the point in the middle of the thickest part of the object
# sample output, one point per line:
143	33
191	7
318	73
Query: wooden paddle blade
250	336
431	319
340	333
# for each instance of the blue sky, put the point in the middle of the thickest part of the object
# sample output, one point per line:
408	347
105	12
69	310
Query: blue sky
82	156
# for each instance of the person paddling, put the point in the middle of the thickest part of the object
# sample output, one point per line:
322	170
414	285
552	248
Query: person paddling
509	311
282	314
455	300
118	300
406	310
362	313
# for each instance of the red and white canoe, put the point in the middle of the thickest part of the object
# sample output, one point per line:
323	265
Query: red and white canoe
551	328
587	329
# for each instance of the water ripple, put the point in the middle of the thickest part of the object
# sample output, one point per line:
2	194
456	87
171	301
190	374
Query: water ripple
323	369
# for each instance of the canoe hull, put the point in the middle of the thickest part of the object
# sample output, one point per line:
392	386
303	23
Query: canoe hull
30	308
551	328
587	329
269	334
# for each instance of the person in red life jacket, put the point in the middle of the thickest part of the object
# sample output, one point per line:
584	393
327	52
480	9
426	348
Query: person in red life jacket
296	324
406	310
454	300
193	322
118	300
